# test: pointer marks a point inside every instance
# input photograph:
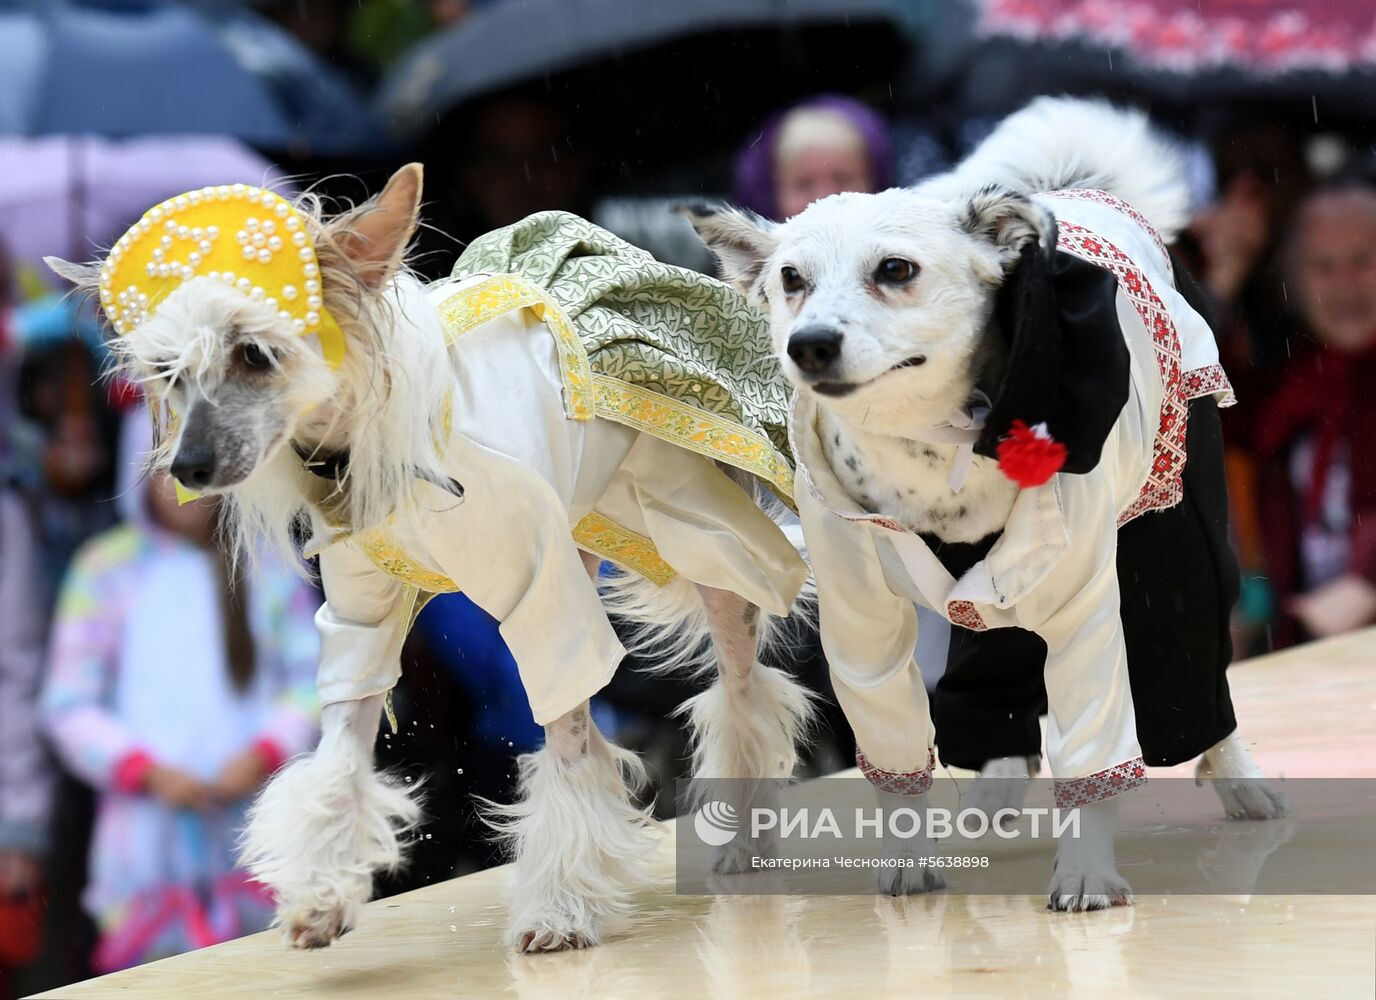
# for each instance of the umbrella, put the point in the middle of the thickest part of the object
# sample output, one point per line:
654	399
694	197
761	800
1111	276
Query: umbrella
519	40
1264	37
1182	50
71	196
144	68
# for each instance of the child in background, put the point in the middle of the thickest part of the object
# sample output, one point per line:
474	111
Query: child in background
175	689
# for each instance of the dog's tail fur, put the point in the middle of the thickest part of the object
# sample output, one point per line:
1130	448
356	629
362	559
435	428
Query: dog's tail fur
1060	142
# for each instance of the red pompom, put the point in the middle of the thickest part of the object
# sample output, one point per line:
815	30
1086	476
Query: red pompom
1030	455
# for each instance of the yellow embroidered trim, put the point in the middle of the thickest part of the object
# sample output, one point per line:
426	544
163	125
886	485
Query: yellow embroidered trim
502	293
610	540
689	427
379	546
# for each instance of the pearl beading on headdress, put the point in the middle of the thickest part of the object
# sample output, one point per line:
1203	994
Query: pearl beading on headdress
271	259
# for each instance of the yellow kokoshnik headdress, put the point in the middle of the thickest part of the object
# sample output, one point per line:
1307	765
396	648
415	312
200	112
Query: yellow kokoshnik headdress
250	239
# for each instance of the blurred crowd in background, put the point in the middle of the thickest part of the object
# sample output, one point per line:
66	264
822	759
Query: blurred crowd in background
146	693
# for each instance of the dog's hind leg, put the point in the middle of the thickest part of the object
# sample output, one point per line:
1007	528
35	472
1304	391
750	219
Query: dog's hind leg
579	843
1228	765
746	726
325	824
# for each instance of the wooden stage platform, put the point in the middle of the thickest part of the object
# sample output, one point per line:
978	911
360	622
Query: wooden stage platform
1310	711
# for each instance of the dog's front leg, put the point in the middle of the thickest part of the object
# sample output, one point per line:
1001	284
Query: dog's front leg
325	824
579	844
1085	874
909	862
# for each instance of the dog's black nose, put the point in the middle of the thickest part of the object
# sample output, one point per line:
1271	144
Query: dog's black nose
194	466
815	348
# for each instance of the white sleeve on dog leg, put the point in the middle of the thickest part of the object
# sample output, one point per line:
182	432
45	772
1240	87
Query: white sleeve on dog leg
868	635
1091	726
362	626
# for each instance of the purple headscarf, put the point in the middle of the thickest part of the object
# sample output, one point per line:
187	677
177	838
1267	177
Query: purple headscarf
754	181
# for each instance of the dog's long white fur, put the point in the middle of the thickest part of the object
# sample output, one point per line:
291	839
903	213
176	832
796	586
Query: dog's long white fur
325	824
578	842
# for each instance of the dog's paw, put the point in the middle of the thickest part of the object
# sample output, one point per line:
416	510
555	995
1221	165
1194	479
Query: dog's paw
307	927
554	932
1239	783
915	881
1250	798
535	942
1080	891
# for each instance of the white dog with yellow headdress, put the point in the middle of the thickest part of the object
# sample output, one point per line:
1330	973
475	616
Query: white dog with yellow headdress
501	432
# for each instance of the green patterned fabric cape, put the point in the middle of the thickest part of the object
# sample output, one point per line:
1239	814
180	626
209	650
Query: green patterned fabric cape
664	329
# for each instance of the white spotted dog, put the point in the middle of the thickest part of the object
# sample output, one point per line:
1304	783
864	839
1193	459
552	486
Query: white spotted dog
467	435
999	381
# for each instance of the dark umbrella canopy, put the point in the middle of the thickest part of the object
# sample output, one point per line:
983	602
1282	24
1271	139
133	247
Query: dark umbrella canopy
519	40
158	68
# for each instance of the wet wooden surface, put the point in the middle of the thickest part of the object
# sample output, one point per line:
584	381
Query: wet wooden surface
1308	712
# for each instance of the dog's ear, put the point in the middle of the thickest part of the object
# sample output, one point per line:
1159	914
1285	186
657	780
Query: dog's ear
374	236
84	276
741	241
1010	221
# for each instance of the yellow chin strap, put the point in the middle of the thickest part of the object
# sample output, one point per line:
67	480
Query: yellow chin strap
249	239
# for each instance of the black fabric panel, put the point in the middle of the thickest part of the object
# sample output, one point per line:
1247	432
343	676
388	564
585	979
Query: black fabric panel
1178	580
1067	363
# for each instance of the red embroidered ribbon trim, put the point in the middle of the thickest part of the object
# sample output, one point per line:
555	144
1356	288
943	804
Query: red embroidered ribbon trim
897	782
1101	785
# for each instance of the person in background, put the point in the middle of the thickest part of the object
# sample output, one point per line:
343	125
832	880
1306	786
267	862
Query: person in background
26	777
495	162
175	687
1314	434
824	145
64	440
1233	247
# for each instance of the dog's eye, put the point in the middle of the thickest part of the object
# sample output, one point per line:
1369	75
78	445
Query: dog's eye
254	358
895	271
792	280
